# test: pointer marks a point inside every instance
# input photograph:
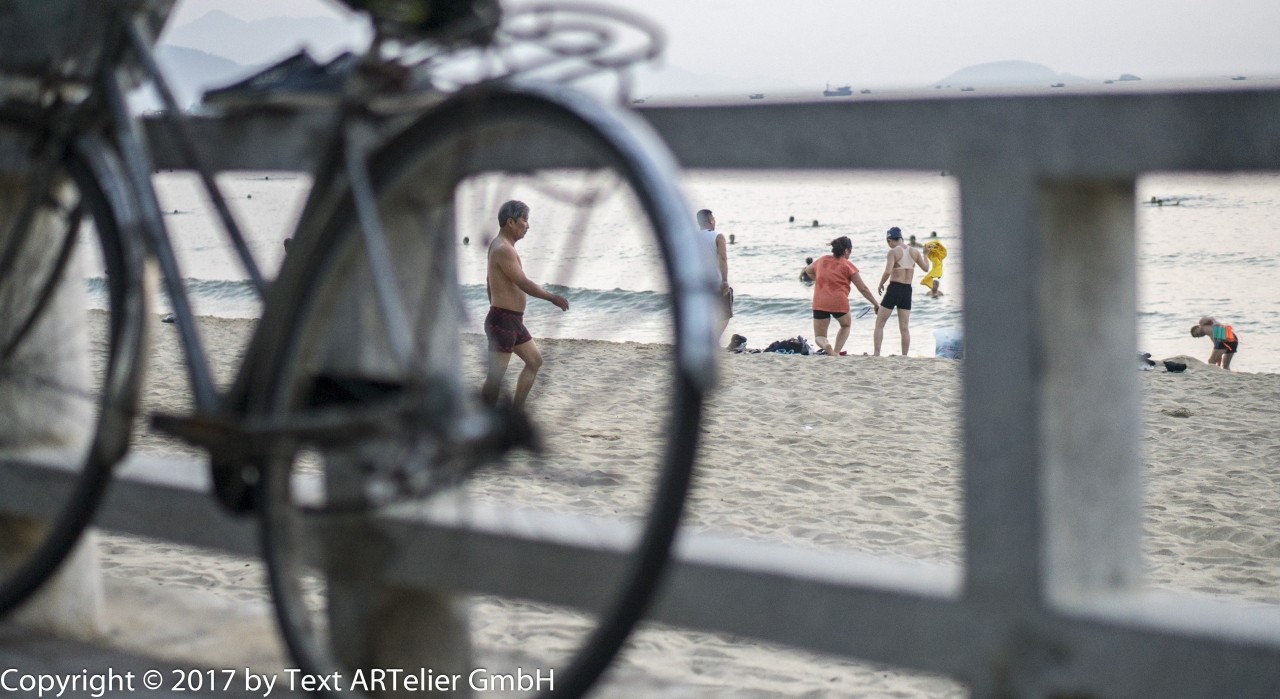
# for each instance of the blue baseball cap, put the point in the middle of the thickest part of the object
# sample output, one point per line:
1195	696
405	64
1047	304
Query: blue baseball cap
894	233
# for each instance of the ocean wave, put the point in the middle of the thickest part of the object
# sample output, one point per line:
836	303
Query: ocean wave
603	299
650	302
221	289
226	298
211	289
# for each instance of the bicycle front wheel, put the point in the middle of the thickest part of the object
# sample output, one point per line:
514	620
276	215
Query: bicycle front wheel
71	333
540	561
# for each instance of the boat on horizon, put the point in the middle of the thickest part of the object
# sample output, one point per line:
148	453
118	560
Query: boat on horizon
845	91
756	96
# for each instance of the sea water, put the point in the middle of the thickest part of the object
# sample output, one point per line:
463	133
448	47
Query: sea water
1207	248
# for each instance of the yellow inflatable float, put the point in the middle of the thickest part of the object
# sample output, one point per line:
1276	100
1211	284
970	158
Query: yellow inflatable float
936	252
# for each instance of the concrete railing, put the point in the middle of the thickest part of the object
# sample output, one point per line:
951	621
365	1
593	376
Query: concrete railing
1048	601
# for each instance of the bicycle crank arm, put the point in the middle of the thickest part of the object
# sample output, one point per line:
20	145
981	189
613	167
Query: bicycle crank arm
482	437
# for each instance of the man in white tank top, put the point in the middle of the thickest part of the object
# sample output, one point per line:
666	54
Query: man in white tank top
899	267
715	241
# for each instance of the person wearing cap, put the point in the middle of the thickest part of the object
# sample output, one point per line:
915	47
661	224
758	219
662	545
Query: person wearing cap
899	268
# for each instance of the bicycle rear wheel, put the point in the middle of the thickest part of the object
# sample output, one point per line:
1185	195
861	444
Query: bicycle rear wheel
71	333
618	240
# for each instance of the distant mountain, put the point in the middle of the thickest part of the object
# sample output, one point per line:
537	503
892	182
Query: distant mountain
191	72
265	40
1008	73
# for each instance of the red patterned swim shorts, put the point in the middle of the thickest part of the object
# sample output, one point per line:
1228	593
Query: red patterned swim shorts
505	329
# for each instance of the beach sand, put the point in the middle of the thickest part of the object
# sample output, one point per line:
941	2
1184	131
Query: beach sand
843	454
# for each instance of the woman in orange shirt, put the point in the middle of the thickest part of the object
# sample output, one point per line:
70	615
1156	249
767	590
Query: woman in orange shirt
833	275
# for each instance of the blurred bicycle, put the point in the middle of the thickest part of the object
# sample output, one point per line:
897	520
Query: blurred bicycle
355	414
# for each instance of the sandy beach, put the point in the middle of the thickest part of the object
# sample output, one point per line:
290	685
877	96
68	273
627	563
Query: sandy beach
843	454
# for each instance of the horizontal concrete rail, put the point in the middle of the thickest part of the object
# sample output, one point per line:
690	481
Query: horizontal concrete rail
897	612
1093	135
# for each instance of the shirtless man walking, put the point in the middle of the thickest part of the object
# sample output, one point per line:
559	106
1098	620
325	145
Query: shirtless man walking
899	267
509	290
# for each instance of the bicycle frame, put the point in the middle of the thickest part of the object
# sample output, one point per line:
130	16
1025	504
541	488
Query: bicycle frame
216	426
125	49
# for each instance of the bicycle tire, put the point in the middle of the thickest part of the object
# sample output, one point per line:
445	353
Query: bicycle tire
113	390
320	279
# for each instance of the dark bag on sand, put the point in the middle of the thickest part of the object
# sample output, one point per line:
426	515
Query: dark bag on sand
794	345
1174	367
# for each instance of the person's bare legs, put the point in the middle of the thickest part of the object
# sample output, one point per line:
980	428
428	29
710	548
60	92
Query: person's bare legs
820	326
903	317
498	362
1215	357
532	358
882	317
723	317
843	334
1226	360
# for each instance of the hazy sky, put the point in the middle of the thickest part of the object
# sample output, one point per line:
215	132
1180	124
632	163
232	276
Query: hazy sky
807	43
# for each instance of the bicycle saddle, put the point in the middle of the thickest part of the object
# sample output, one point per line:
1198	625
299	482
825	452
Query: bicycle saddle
441	21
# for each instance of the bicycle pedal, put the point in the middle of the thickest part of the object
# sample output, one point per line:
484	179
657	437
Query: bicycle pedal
207	431
504	429
514	430
337	389
230	455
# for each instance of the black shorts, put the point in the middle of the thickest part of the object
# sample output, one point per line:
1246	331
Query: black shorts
505	330
1229	346
820	315
898	295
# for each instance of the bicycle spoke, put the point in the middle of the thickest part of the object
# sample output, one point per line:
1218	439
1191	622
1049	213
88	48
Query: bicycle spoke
137	162
185	139
47	289
372	233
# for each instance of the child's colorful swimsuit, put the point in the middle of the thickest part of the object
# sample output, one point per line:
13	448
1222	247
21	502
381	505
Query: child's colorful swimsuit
1224	338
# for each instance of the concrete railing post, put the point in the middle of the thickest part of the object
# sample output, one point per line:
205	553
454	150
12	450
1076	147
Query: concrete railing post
373	622
1090	410
46	415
